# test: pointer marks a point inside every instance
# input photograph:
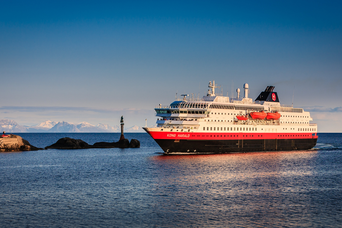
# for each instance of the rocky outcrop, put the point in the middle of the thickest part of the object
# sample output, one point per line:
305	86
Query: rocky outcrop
134	143
69	143
15	143
124	143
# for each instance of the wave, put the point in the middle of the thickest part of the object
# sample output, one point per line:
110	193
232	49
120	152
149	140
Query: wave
327	146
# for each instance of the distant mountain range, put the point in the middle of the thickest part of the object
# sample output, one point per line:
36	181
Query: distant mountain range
52	126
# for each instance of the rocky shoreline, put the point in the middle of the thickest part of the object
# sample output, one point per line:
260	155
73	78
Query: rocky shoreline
15	143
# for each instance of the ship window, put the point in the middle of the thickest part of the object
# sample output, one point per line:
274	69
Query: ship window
221	128
203	128
207	128
211	128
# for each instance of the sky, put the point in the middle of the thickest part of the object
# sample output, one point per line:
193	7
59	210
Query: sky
93	61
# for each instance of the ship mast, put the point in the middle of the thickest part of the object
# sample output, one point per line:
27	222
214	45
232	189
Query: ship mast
211	90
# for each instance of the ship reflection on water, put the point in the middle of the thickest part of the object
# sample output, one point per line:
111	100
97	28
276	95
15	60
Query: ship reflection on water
256	188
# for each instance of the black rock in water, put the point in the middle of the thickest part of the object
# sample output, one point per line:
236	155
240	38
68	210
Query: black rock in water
69	143
134	143
124	143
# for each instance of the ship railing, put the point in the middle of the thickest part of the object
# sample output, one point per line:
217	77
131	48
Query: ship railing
191	121
163	106
286	105
287	109
192	108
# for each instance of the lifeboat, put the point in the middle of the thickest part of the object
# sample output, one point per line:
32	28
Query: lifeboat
273	116
258	115
242	117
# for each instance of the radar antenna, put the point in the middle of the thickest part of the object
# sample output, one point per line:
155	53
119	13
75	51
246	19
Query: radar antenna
184	96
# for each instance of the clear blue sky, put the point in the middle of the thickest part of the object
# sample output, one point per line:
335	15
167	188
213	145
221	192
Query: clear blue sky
94	61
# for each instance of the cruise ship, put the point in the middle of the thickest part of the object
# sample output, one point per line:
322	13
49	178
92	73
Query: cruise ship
218	124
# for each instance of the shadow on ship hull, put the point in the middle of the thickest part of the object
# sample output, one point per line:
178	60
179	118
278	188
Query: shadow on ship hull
233	146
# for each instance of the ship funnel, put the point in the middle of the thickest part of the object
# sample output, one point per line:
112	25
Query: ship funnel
246	87
238	93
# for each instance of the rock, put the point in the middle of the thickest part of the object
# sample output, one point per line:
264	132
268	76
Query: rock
15	143
69	143
134	143
103	145
120	144
124	143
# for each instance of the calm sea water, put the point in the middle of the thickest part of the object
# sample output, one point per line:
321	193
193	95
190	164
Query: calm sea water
141	188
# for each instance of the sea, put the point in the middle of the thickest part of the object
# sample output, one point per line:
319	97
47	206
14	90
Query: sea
140	187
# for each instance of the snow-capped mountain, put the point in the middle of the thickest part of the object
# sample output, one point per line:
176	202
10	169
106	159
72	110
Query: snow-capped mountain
11	126
64	127
106	127
52	126
42	127
134	128
87	127
47	124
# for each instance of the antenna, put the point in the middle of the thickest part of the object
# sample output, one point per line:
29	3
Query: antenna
293	95
232	90
238	93
145	122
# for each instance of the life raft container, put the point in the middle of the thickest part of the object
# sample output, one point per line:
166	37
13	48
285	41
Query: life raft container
258	115
273	116
242	117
